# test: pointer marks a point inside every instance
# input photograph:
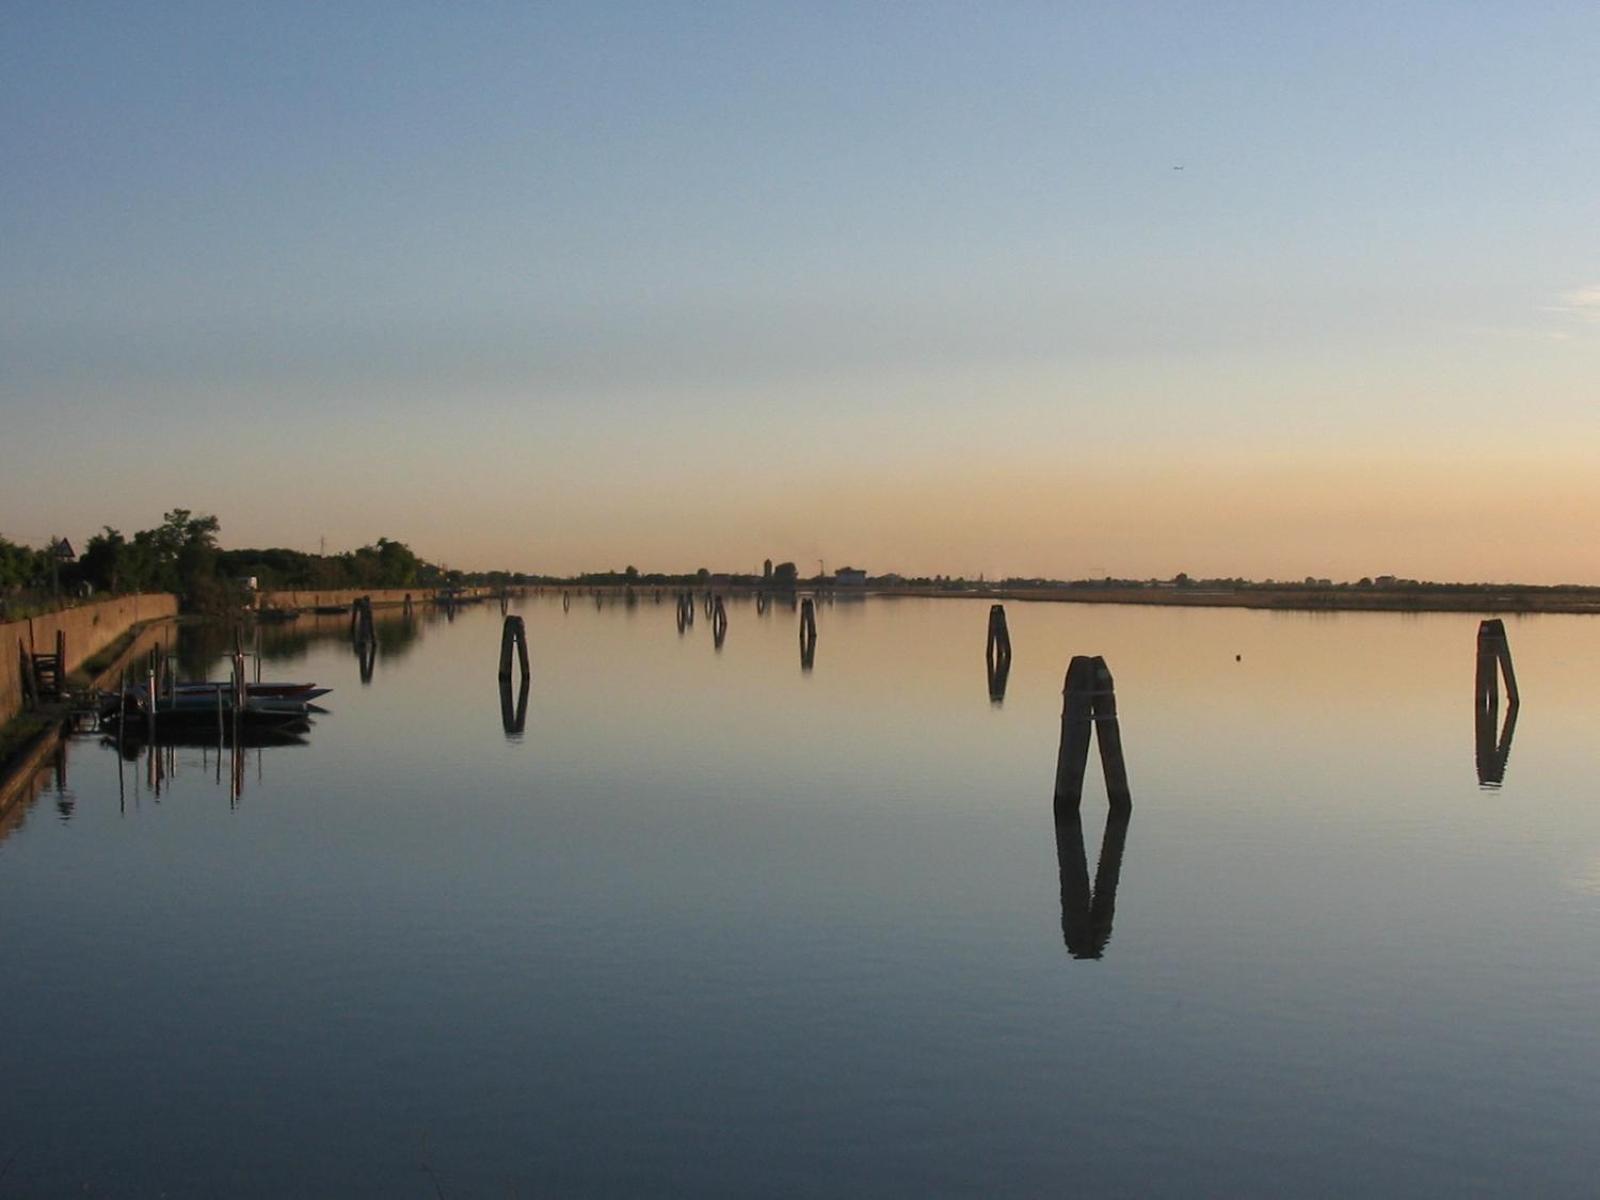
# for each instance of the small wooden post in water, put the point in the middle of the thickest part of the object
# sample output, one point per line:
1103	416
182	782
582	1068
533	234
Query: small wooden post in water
1494	651
513	633
1090	705
999	641
719	623
808	634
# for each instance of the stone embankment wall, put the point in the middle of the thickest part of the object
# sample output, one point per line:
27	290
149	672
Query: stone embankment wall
90	628
348	596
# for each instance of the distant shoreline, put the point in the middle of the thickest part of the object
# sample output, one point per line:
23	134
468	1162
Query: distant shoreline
1487	600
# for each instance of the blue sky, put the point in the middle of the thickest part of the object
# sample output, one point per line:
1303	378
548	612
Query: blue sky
658	283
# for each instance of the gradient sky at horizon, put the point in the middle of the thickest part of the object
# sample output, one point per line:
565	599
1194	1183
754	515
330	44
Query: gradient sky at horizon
564	287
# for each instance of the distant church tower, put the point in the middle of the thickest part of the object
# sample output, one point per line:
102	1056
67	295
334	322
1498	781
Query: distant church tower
766	570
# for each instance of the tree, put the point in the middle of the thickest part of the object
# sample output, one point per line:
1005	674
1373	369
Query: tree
103	562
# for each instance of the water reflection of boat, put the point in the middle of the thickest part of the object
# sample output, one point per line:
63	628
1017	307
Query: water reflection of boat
288	732
276	616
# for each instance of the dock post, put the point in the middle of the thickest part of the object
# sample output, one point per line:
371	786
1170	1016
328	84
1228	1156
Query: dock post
1494	659
1089	705
362	629
997	653
999	641
1494	651
719	623
566	601
513	633
808	634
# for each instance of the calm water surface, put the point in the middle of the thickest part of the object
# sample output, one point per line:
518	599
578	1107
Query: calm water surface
715	925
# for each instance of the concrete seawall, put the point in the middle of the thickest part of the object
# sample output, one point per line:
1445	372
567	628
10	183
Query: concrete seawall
347	596
90	628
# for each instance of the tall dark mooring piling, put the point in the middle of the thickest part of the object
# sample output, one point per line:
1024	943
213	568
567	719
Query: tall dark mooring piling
513	635
719	623
685	611
998	644
808	635
997	653
1494	659
362	630
1089	706
566	601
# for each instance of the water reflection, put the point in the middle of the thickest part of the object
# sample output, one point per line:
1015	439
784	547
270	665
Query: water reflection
514	718
998	673
808	636
1494	660
1087	914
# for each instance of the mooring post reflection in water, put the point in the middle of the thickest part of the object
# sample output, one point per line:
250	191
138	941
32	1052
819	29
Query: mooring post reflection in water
997	653
1494	659
514	719
366	658
808	635
1087	915
1089	705
719	623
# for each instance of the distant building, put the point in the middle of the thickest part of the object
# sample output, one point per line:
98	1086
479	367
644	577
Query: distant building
850	577
1385	581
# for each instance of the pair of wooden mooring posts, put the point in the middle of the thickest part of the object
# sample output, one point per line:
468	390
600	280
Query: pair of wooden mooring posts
719	622
685	611
1089	708
808	635
997	653
514	637
362	630
44	676
1494	660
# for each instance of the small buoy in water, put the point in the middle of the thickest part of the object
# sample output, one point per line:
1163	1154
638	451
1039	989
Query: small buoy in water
1238	658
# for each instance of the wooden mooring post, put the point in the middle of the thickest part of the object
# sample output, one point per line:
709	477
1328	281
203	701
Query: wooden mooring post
566	601
997	654
719	623
808	634
1494	659
998	645
362	630
514	634
1089	705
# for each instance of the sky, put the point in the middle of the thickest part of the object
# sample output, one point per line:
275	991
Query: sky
1063	289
